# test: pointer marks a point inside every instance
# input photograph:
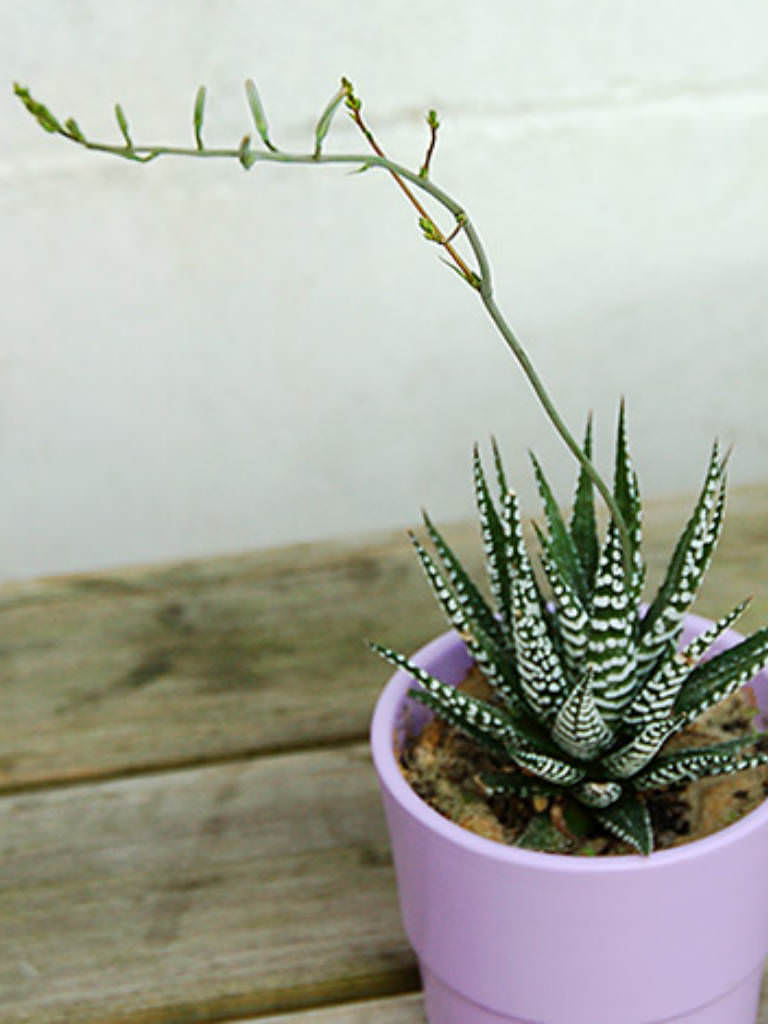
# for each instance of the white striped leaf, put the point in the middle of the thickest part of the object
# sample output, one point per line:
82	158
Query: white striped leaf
551	769
486	653
655	700
598	794
493	540
540	674
579	727
699	763
561	548
583	525
716	679
663	622
628	819
466	592
641	749
461	709
627	497
611	644
571	619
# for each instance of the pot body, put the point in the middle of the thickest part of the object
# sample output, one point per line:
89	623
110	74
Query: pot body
510	935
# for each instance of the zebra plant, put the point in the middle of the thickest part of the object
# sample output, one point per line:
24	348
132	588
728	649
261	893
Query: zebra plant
588	687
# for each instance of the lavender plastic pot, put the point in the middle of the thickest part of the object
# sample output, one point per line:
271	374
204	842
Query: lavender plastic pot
509	936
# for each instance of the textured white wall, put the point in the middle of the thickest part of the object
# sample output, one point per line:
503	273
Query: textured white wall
194	359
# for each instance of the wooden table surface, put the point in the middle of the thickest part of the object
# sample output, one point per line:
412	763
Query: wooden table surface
190	826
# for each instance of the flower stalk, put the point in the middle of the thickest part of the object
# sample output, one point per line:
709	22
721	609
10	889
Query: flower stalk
479	278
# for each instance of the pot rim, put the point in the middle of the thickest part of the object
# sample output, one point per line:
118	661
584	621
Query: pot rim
390	776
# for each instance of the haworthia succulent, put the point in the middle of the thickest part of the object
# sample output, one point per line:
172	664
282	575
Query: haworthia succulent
587	690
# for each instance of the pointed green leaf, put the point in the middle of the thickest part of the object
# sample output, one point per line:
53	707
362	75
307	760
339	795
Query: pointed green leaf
628	499
494	543
641	749
561	547
478	715
500	474
571	620
663	621
700	762
540	673
466	591
551	769
718	678
583	520
655	700
458	720
611	645
487	654
579	727
628	819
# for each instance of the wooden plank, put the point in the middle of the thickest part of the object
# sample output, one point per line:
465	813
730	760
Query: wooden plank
395	1010
199	661
399	1010
187	663
240	889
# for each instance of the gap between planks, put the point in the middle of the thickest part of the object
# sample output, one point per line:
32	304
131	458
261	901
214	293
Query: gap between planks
249	888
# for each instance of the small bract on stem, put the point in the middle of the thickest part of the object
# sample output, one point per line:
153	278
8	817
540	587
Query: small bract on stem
479	279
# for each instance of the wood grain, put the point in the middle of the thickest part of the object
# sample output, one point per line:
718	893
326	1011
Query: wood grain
395	1010
245	888
202	661
398	1010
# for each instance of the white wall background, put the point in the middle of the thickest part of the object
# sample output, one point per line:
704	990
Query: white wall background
197	360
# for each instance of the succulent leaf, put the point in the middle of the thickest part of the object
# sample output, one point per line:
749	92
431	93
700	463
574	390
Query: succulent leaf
561	548
493	539
463	708
466	592
458	720
571	619
583	523
501	476
506	783
611	645
663	621
460	613
641	749
551	769
628	819
540	673
627	496
598	794
718	678
579	727
700	762
656	698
